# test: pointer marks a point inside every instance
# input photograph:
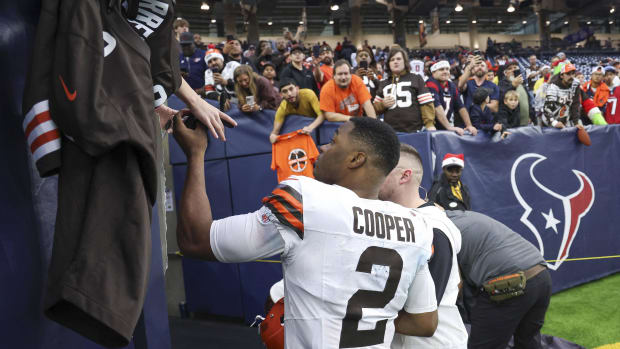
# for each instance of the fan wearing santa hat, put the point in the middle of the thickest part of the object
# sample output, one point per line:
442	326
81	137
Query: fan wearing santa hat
448	191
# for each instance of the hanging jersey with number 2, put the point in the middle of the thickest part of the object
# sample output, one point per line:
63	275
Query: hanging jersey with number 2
612	111
349	265
294	153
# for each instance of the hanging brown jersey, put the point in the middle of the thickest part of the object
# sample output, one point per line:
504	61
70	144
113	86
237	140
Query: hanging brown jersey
410	93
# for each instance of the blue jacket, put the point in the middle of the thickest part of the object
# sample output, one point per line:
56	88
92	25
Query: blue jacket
482	119
195	66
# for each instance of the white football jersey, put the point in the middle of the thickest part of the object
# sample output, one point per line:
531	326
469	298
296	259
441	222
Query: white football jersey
451	332
417	67
349	265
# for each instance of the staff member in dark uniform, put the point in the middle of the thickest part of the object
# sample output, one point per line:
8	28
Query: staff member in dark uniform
509	280
448	191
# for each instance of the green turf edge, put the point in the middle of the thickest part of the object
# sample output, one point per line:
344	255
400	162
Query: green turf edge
588	315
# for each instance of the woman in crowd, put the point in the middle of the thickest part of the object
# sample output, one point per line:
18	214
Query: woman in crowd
254	92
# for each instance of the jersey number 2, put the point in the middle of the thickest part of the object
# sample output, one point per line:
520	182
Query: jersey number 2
350	336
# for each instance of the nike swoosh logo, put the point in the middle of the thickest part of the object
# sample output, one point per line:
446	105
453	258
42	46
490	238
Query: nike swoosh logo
70	96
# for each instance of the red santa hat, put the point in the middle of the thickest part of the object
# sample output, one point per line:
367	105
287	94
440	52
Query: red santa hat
453	160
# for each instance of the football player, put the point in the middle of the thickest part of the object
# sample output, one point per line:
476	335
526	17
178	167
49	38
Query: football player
355	268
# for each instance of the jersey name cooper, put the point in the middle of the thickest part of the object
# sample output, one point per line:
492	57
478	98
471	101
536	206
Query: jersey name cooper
382	226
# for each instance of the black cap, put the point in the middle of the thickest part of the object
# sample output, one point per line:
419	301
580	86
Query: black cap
325	48
186	38
297	48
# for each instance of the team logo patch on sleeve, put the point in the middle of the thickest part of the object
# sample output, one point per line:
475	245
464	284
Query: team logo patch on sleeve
286	204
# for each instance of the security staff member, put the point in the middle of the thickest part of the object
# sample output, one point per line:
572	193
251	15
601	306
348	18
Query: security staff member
495	262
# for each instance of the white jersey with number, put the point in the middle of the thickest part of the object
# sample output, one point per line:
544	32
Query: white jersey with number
451	332
417	67
350	264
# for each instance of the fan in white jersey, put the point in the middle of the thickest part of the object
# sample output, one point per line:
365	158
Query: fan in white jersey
355	268
401	186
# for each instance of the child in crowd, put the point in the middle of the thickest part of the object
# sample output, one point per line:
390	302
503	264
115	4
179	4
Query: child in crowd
508	113
481	116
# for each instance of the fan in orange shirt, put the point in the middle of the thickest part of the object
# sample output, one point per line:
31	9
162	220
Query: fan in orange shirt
345	95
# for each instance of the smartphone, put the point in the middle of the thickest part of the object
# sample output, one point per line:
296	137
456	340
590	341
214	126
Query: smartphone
215	70
230	37
517	72
364	64
249	100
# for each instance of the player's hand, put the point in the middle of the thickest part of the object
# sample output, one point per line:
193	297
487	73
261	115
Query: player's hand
219	79
211	117
165	114
193	142
471	130
559	125
388	102
459	131
273	138
497	127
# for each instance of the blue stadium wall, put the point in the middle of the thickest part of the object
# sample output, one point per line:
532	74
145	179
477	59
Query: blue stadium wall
532	170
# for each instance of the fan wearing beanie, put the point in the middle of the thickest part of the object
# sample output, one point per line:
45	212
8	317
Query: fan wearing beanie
448	191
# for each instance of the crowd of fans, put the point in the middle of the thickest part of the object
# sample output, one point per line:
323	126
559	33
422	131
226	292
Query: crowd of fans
457	90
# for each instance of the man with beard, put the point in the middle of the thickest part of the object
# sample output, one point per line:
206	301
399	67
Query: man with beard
298	102
403	98
345	95
477	68
325	71
296	70
219	77
234	52
448	191
561	108
335	259
447	100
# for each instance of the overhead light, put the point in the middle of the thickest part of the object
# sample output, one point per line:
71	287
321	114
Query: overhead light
331	21
499	21
524	22
213	21
611	22
458	7
548	22
390	21
510	8
301	22
421	21
270	23
334	7
204	6
565	22
589	22
474	21
612	9
448	21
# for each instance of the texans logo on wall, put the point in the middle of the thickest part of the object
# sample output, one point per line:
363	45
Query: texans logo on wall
297	160
553	218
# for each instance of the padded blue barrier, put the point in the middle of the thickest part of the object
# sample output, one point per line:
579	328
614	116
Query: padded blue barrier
251	180
211	287
535	170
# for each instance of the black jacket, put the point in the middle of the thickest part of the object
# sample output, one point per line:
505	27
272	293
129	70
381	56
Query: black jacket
441	193
508	118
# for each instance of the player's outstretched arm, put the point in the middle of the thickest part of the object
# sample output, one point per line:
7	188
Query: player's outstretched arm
419	325
195	219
